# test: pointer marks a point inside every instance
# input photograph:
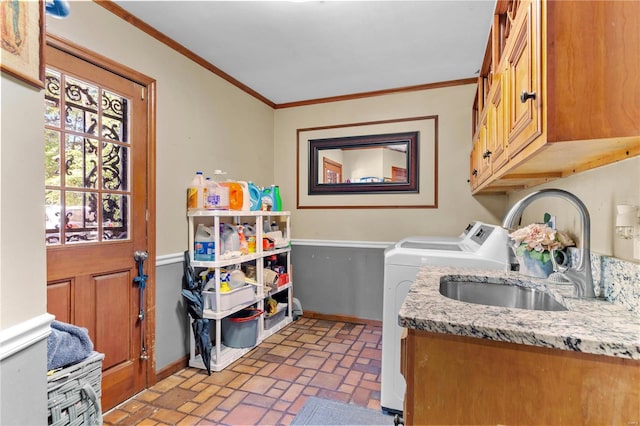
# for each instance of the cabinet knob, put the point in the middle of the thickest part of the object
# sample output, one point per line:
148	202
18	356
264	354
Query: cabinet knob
474	172
486	154
525	95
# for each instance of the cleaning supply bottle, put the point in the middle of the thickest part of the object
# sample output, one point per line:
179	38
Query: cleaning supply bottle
212	201
250	234
204	244
277	201
229	236
222	191
267	199
255	199
243	244
236	195
217	196
196	192
246	197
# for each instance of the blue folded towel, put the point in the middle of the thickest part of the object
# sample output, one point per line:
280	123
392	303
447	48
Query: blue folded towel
67	344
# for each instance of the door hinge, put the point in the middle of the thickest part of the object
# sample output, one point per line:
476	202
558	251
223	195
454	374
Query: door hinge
142	93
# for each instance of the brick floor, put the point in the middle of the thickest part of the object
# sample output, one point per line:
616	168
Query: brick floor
268	386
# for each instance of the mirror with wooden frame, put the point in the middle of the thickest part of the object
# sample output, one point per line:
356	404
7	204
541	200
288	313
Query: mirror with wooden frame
386	163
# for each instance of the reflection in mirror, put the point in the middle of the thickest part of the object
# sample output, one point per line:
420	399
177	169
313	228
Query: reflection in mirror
363	164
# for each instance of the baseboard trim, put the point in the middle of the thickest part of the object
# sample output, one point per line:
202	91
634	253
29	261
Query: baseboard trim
172	368
22	335
340	318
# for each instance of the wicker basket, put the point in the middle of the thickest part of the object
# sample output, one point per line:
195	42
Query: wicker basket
74	393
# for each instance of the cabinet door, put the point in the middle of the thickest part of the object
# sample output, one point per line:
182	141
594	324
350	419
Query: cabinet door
479	161
473	162
484	162
524	72
497	125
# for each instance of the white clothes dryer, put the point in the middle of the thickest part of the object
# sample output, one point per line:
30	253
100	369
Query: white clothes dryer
479	246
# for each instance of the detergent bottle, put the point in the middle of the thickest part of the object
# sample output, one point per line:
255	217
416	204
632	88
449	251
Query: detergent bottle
230	238
236	195
250	235
204	245
246	198
196	192
277	201
217	196
267	198
255	198
212	200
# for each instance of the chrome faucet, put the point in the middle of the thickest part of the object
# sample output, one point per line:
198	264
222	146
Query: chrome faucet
580	276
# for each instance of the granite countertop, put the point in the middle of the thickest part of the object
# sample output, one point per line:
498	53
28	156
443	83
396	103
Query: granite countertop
592	326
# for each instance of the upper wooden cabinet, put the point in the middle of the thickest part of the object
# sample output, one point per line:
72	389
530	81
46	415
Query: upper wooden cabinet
522	67
559	91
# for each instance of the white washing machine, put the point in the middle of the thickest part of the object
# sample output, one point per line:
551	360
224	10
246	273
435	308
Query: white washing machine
479	246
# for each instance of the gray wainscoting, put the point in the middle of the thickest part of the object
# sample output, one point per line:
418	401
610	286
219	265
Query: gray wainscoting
331	278
23	372
339	278
172	322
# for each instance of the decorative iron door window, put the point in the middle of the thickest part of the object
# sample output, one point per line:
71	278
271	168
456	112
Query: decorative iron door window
86	162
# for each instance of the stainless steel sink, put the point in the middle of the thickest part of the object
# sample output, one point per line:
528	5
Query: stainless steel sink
508	296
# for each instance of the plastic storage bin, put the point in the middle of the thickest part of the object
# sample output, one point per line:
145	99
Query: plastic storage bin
240	330
271	320
230	299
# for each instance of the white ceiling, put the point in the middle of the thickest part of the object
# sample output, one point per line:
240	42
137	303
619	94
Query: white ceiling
291	51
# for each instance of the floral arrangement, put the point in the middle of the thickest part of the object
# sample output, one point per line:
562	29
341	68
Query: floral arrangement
538	239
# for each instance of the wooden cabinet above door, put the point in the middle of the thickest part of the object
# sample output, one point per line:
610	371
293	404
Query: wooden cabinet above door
569	90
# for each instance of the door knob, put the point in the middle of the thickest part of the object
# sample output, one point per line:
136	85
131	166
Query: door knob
140	255
524	96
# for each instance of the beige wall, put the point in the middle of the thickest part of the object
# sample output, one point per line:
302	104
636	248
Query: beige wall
22	251
600	190
203	122
456	206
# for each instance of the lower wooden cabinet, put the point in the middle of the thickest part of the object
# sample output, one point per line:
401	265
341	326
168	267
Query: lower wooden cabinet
457	380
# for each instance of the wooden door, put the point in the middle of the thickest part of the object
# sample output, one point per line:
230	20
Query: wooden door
96	203
399	174
331	171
